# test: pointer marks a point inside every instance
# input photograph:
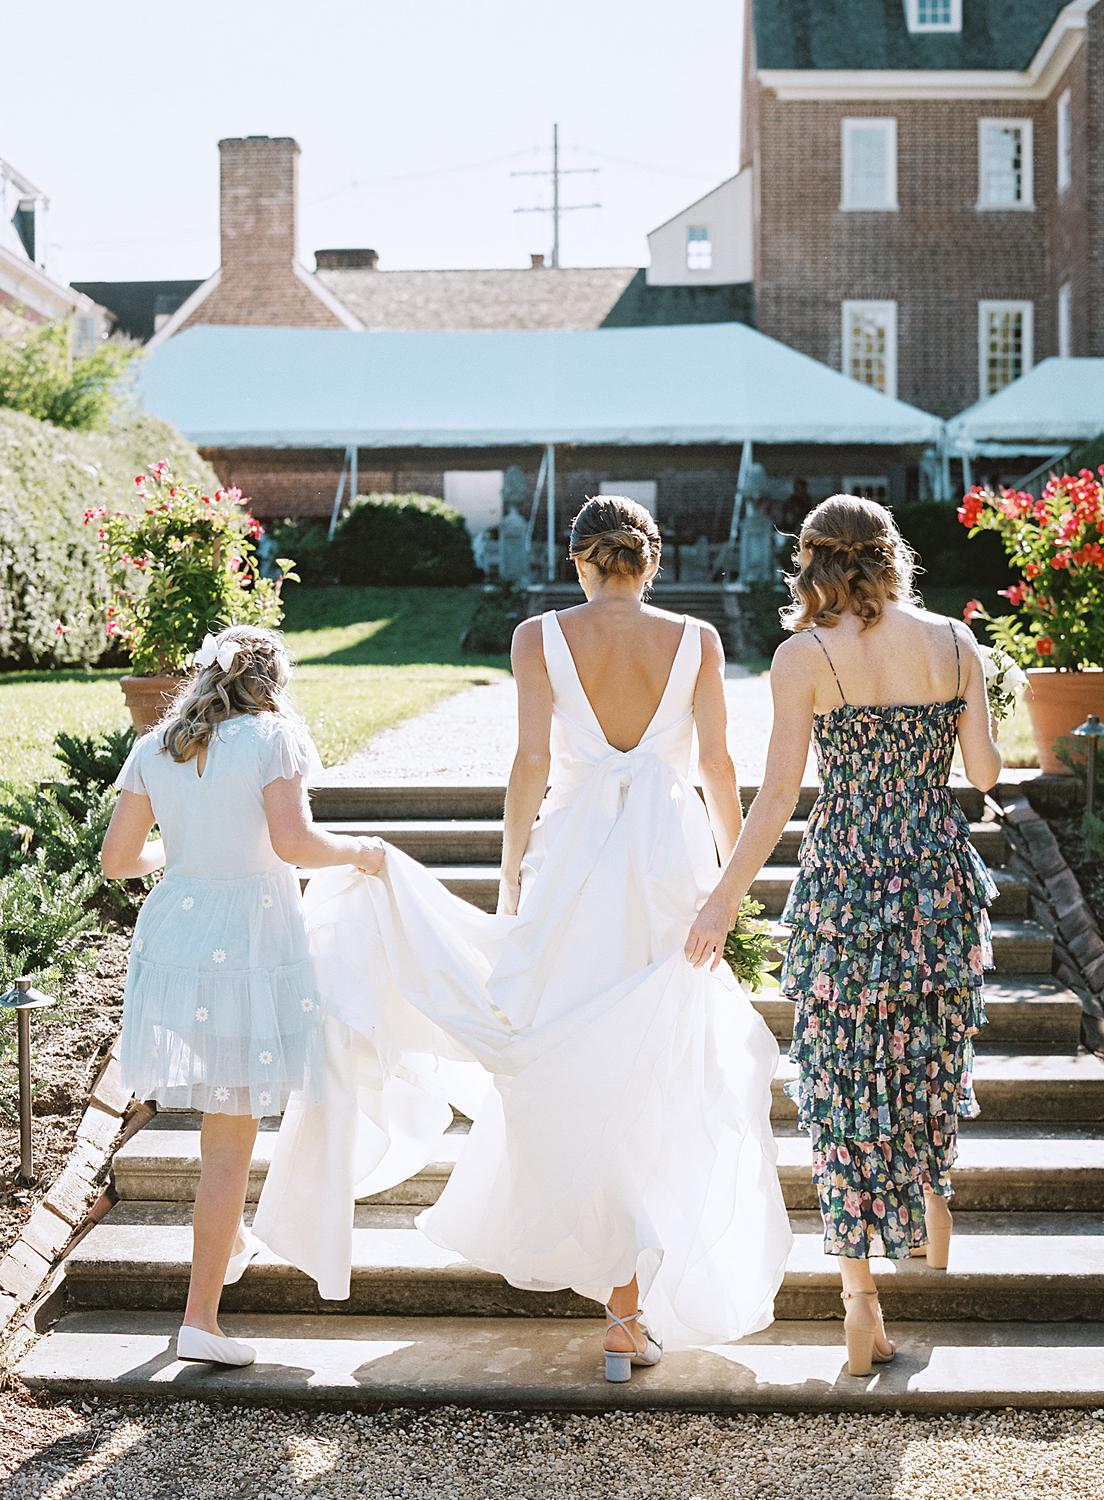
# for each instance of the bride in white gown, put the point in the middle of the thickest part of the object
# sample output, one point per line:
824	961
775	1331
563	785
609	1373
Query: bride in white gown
623	1145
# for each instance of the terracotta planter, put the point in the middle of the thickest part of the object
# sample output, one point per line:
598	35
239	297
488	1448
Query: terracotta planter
1058	702
147	698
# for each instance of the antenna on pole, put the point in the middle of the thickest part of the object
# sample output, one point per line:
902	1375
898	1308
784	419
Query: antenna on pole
557	208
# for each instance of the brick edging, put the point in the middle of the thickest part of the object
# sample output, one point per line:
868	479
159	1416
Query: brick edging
31	1271
1058	902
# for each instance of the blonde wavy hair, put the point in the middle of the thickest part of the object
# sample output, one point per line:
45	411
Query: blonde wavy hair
616	535
254	683
850	559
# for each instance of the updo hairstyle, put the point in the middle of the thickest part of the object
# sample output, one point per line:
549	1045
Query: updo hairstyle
615	535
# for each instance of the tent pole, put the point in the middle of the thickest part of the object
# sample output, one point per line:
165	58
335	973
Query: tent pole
354	483
339	496
550	475
967	472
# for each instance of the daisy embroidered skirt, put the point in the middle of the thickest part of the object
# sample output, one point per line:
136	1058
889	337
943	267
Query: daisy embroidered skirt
220	1011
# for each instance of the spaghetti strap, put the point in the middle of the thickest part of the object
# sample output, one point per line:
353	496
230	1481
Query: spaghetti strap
958	660
828	659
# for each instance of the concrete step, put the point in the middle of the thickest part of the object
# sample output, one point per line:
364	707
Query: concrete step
1033	1012
1039	1265
554	1364
400	801
1001	1168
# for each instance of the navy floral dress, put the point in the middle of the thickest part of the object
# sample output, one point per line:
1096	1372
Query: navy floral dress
889	938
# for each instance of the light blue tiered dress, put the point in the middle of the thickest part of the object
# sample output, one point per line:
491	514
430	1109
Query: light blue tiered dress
220	1011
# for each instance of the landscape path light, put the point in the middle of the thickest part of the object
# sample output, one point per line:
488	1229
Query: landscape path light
23	998
1091	730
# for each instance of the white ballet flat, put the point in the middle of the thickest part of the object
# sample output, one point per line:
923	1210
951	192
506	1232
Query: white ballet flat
196	1343
619	1365
235	1268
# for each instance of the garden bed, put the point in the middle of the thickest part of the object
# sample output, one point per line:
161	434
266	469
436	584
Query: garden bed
1085	863
67	1049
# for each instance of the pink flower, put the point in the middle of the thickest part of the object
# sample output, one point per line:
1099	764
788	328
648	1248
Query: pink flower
972	607
821	987
878	1206
59	628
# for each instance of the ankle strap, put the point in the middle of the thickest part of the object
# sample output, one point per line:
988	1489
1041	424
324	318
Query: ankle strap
846	1296
624	1322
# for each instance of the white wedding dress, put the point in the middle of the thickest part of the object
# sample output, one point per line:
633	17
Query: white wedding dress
620	1098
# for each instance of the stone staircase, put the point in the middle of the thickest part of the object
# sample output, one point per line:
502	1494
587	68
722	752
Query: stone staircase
1018	1319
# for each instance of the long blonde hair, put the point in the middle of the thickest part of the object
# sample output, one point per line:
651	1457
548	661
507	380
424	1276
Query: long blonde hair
850	559
255	682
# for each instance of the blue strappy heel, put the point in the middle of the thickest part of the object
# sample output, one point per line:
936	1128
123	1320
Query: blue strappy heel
619	1364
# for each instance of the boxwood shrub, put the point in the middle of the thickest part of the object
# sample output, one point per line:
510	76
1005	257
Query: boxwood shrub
402	539
51	568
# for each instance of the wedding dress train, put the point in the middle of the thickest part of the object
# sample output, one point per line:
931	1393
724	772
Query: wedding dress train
620	1098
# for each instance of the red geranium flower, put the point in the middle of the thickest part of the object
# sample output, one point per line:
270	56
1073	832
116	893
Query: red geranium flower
1044	645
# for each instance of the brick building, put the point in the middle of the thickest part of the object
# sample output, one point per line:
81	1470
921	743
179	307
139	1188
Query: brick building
927	187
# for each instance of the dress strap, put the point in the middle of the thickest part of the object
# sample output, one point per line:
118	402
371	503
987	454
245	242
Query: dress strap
828	659
958	660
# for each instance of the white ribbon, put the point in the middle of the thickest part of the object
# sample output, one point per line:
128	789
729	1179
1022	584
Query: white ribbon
211	651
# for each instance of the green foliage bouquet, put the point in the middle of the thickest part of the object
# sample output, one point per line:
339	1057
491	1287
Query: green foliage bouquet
749	947
184	564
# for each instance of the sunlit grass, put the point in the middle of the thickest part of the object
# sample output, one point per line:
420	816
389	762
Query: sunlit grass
366	659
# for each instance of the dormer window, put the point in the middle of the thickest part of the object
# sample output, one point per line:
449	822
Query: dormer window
934	15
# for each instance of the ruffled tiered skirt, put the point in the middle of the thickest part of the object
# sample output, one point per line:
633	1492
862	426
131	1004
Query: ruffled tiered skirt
220	1011
889	940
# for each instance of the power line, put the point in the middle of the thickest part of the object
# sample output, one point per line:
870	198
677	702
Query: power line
421	174
556	208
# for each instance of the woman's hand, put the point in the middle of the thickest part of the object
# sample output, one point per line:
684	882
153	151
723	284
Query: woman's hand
706	938
509	893
370	856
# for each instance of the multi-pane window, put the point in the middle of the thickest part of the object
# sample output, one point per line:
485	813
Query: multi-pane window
1005	164
870	344
1065	321
934	15
868	487
699	248
1065	141
868	153
1005	343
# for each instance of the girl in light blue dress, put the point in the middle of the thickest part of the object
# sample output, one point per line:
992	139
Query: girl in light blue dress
220	1012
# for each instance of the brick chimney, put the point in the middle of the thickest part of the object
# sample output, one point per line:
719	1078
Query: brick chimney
536	262
258	200
260	280
345	260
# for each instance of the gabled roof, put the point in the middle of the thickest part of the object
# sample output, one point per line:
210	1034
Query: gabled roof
1059	402
479	300
873	35
322	388
136	305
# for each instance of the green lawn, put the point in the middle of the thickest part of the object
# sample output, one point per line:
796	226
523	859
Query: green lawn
365	659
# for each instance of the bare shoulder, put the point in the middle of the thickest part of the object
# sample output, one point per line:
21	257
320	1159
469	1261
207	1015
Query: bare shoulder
712	647
937	623
798	655
528	641
654	613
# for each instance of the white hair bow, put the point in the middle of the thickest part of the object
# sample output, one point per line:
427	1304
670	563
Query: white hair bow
211	651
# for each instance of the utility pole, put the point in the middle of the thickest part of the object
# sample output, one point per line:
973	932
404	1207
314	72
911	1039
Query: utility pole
557	208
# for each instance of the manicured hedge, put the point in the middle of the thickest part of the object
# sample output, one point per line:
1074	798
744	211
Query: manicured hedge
949	556
402	539
50	562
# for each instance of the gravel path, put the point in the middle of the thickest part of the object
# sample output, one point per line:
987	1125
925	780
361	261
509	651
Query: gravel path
470	737
157	1452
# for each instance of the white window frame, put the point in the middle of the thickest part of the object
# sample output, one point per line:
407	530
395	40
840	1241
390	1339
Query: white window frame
1026	127
1027	311
699	234
1065	141
923	28
1065	320
889	310
849	127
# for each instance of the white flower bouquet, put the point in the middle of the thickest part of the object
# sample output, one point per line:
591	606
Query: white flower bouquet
1005	680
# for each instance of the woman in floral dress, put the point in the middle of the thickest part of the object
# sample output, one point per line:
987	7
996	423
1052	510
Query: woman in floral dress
889	928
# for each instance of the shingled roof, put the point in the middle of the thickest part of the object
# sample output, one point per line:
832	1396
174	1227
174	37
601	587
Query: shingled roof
493	300
874	35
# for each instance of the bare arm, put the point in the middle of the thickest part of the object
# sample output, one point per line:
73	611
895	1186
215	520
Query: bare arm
529	772
792	688
980	756
297	841
128	853
718	774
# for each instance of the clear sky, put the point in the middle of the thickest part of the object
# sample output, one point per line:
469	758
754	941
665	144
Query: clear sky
411	115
